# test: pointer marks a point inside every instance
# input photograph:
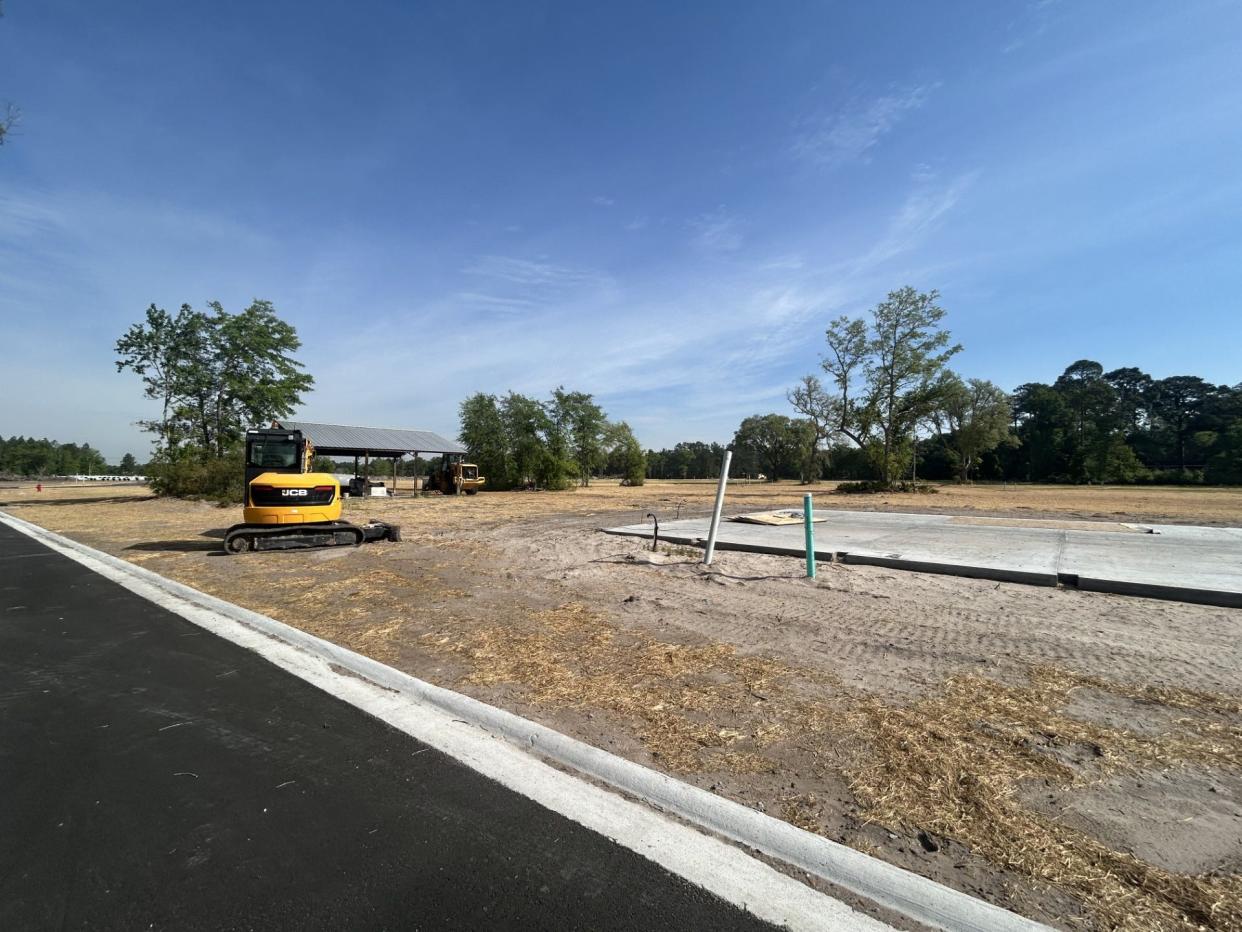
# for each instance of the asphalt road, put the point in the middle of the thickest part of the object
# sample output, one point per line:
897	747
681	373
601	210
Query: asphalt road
153	775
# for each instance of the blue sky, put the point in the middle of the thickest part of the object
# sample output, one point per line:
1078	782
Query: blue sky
662	204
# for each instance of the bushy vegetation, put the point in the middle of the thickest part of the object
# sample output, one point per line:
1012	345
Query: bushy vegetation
216	478
870	486
521	442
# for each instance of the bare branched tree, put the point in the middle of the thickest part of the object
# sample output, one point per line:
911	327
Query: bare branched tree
11	115
9	119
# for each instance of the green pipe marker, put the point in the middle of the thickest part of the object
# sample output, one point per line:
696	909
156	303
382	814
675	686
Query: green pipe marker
808	516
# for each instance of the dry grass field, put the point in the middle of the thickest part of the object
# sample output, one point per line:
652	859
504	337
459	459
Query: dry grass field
1074	756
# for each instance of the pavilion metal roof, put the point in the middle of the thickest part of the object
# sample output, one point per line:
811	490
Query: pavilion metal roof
341	440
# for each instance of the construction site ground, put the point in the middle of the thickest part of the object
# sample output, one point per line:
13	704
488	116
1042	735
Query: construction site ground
1074	756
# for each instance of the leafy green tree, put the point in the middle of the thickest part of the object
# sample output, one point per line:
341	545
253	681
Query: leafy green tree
1224	466
258	378
887	374
774	441
520	441
973	418
214	374
625	454
557	430
821	413
527	428
1090	419
1180	401
810	458
161	352
483	434
577	426
1134	391
129	465
1113	460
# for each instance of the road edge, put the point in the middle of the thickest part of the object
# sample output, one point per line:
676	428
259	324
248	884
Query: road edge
385	693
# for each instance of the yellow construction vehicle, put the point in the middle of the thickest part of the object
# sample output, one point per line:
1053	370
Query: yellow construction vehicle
287	506
453	477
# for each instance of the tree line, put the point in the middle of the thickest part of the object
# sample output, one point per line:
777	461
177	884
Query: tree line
887	409
26	456
690	460
522	442
1124	426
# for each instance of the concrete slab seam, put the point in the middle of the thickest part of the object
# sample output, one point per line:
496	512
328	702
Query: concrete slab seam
907	893
1062	539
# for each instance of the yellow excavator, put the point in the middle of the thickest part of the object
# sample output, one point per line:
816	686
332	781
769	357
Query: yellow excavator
289	507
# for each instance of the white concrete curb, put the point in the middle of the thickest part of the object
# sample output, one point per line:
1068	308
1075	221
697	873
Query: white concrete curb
906	893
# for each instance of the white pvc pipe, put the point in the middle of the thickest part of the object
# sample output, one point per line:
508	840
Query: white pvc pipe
720	490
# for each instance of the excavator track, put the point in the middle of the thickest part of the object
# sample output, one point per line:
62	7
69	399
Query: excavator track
244	538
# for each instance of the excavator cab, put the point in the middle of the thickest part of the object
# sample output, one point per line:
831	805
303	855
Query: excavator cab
281	451
280	489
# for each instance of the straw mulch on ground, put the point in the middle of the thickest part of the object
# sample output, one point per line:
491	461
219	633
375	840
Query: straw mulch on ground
946	767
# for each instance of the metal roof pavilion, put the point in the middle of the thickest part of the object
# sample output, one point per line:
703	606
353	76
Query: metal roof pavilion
340	440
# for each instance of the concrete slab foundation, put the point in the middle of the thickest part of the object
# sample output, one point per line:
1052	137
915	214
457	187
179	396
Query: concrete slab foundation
1187	564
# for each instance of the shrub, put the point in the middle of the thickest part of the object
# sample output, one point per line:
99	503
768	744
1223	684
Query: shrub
1173	477
861	487
218	479
873	486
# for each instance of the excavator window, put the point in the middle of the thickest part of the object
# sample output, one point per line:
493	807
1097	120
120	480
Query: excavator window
273	454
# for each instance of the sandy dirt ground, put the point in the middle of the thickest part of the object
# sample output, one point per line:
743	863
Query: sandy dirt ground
1074	756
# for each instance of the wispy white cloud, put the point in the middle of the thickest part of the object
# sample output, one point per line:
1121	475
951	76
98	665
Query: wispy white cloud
25	217
687	357
530	273
1033	24
851	133
920	213
717	231
601	200
722	342
83	265
503	304
789	263
638	223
